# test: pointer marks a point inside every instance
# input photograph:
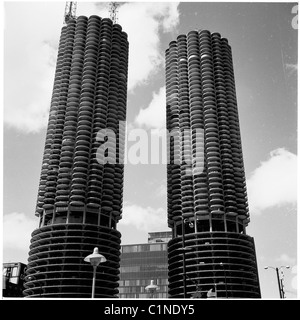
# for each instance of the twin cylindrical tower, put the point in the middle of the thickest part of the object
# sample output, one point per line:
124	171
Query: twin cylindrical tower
80	197
207	198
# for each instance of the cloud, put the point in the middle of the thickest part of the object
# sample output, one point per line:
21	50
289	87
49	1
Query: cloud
292	68
161	191
30	50
274	183
143	22
17	229
294	281
144	218
154	116
286	259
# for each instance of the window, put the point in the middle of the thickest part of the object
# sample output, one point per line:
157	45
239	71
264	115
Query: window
130	269
156	247
128	249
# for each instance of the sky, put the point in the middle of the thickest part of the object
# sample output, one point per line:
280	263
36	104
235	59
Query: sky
264	41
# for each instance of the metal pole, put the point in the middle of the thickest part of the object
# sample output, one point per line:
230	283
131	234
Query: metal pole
183	260
279	286
282	291
151	294
94	281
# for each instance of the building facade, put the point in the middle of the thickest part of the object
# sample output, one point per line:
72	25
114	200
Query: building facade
81	186
207	198
143	263
13	279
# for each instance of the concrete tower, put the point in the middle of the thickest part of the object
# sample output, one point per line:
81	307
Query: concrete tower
80	198
207	199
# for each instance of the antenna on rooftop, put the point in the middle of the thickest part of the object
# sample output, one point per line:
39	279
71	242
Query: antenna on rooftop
113	10
70	11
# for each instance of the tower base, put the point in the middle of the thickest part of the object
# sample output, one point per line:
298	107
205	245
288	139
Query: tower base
56	268
217	265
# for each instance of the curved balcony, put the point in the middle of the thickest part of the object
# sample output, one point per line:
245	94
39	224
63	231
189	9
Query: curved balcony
235	251
57	257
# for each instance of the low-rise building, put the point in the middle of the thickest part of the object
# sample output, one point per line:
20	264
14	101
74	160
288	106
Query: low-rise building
13	279
141	263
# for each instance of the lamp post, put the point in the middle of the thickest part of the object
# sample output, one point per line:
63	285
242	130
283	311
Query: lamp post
95	259
280	287
183	258
152	288
222	265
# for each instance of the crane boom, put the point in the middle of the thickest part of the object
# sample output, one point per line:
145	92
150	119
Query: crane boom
70	11
113	10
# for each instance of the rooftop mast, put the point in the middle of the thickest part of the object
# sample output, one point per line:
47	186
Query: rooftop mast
70	11
113	10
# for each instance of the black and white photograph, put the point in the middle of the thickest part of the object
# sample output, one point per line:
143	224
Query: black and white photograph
149	153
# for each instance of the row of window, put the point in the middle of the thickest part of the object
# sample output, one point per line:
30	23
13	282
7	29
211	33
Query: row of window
142	282
140	289
132	259
159	295
144	247
144	268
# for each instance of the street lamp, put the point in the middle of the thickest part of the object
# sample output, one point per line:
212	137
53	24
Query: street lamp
152	288
222	265
280	287
183	257
95	259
